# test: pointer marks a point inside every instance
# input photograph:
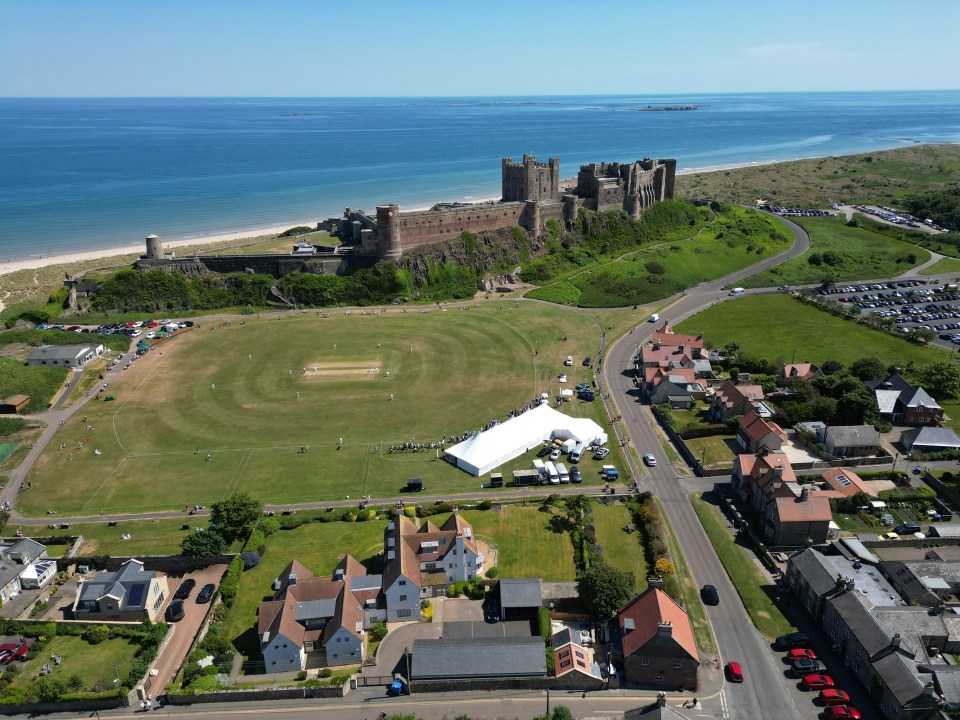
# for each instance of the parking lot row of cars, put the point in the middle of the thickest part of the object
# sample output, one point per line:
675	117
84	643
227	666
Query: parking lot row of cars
805	665
897	217
175	610
133	328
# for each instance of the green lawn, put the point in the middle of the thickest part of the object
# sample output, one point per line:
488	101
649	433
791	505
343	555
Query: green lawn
97	665
945	266
147	537
716	450
741	567
862	254
789	330
621	549
466	368
951	410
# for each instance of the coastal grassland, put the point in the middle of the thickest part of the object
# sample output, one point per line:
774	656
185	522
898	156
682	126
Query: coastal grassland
528	544
779	326
944	266
737	238
740	565
620	549
880	177
840	253
40	383
449	372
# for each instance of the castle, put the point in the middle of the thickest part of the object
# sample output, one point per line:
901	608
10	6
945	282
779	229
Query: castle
531	194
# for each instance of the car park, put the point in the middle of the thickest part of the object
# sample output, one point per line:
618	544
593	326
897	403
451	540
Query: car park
206	593
184	589
832	696
175	611
841	712
816	682
734	672
649	460
709	595
806	667
793	640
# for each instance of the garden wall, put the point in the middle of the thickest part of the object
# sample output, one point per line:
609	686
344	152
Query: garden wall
301	693
87	707
173	565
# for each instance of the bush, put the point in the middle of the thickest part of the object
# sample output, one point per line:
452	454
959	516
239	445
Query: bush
231	582
379	631
326	672
493	573
546	629
256	542
268	526
906	494
484	505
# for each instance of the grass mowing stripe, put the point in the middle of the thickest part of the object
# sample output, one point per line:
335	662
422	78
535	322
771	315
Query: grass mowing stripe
743	572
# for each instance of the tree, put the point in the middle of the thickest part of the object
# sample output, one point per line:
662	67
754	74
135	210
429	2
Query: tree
203	543
868	368
236	516
941	379
857	407
664	568
603	589
48	689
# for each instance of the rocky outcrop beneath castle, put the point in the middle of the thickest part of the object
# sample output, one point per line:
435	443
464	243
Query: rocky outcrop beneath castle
275	265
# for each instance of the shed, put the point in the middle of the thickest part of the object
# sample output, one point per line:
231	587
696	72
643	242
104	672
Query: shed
520	598
14	404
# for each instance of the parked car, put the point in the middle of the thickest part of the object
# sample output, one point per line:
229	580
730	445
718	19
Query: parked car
710	595
175	611
807	666
907	528
206	593
555	455
832	696
816	682
801	654
841	712
601	453
575	476
793	640
734	672
586	361
649	460
587	395
544	451
184	589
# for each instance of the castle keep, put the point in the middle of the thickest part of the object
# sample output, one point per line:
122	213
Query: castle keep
531	194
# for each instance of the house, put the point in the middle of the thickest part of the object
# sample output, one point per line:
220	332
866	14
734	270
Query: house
731	401
23	566
572	658
678	387
815	429
930	439
901	402
801	520
669	368
754	433
846	483
13	404
319	621
924	582
803	371
130	594
520	598
852	440
480	658
73	356
758	477
420	562
657	642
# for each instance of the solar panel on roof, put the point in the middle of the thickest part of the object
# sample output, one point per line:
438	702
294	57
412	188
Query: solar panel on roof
844	480
136	594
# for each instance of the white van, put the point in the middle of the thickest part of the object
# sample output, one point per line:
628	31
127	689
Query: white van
540	468
576	453
563	473
737	291
654	317
552	473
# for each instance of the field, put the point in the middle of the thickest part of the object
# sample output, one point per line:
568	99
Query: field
859	254
793	331
946	266
234	408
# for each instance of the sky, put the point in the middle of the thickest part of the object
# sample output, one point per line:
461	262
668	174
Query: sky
343	48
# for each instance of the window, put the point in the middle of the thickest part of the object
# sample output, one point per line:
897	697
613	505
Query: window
403	583
404	613
402	598
645	661
678	665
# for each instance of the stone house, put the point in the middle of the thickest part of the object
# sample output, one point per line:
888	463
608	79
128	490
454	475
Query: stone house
735	400
844	441
657	642
131	594
754	433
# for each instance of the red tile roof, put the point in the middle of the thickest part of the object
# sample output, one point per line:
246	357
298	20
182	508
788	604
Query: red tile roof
647	610
804	371
846	482
815	508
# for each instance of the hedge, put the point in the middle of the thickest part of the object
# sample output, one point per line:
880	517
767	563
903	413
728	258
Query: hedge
230	585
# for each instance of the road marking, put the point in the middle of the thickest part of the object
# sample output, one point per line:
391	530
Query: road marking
724	710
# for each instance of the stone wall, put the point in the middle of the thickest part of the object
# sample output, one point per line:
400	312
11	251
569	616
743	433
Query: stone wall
300	693
275	265
429	226
86	707
173	565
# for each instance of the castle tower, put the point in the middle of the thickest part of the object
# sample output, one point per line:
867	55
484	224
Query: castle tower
388	232
632	205
669	170
531	217
569	210
530	180
154	248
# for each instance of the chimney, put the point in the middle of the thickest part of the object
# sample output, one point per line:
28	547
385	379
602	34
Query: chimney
665	629
654	581
895	641
804	494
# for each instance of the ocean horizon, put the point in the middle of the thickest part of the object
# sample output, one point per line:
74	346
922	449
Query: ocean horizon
88	174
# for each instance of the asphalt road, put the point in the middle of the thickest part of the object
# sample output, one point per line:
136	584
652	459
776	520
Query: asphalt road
765	693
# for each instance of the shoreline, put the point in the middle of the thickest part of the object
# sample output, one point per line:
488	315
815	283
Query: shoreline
251	233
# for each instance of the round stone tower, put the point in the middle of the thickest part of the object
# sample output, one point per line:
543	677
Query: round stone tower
388	232
632	205
154	248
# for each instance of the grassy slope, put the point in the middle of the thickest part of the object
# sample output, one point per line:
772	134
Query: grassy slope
775	326
821	181
740	566
466	368
866	254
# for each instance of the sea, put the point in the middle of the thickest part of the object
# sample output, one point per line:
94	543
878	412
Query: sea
91	174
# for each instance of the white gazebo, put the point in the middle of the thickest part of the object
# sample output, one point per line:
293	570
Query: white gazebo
487	450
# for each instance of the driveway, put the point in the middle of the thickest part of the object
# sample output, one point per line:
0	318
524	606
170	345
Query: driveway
462	610
173	655
390	654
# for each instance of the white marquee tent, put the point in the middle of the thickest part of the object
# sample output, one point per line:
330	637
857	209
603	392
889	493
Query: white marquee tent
487	450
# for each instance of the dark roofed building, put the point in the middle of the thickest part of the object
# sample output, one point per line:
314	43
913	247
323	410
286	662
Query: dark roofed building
478	658
901	402
930	439
129	594
851	440
520	598
13	404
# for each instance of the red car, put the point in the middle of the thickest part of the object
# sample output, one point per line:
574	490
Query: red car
834	697
841	712
10	652
734	672
801	654
816	682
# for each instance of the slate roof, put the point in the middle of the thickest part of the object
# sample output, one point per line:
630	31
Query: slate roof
645	612
128	586
918	398
900	675
887	400
520	593
931	437
947	678
862	624
811	566
60	352
478	658
852	436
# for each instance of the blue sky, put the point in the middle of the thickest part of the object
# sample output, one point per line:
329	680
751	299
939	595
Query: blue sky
485	47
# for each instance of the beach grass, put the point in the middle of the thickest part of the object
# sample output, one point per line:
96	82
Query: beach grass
784	328
465	369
